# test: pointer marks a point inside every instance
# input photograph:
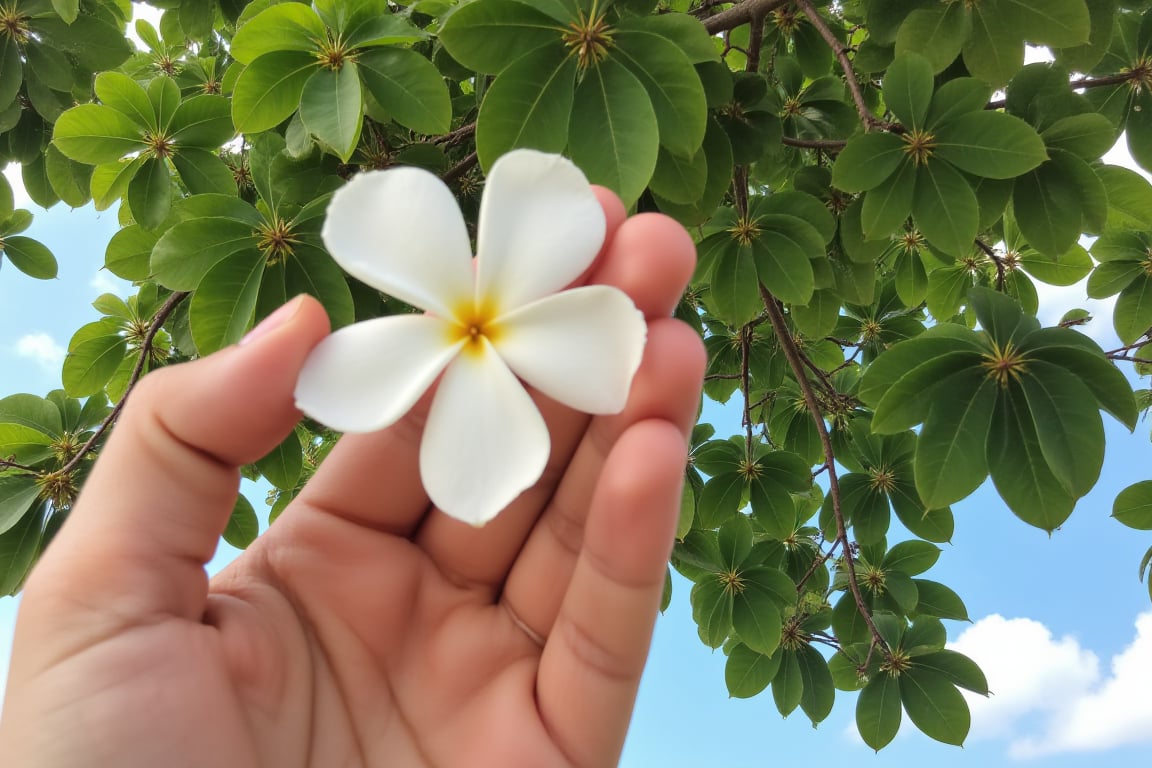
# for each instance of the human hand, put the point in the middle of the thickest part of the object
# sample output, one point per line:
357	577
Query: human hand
363	628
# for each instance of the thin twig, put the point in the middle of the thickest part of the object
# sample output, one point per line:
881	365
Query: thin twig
145	352
13	464
794	361
866	117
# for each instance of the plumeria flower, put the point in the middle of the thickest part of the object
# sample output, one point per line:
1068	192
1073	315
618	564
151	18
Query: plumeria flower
491	325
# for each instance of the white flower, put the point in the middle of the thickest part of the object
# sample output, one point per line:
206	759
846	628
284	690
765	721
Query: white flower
488	323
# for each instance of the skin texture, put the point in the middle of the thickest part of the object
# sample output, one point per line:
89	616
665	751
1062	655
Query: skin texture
364	628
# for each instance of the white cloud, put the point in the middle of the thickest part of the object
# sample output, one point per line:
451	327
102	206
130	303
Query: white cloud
19	195
41	349
1049	695
104	282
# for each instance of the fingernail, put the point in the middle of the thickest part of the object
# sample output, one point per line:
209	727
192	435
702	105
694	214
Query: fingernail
273	321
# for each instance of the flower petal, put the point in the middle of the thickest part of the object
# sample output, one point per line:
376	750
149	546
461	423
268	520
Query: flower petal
580	347
366	376
540	227
401	232
485	442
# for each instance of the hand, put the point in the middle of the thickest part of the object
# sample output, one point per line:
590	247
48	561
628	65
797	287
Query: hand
363	629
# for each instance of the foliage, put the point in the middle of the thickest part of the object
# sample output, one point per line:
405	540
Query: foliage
872	223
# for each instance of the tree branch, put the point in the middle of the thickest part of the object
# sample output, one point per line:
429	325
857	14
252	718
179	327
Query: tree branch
456	136
990	252
866	117
776	317
145	352
461	168
826	144
1084	82
741	14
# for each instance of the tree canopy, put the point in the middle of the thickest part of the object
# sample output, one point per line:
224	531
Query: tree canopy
876	188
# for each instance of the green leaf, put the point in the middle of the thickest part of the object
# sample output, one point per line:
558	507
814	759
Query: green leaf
950	460
958	668
110	180
678	179
712	611
129	251
26	443
934	525
1059	23
1132	315
1067	423
783	252
225	300
939	601
747	673
283	464
1133	506
164	96
734	292
528	106
332	108
734	540
945	209
671	82
488	36
819	693
1129	198
911	557
1081	356
203	172
32	411
279	28
878	711
613	134
1088	135
934	705
867	160
1019	469
935	33
188	250
687	33
990	144
17	495
90	364
69	179
756	618
865	508
409	87
18	550
720	499
908	88
313	271
957	97
788	685
887	206
123	94
203	121
94	134
29	256
994	51
12	69
243	526
269	89
150	193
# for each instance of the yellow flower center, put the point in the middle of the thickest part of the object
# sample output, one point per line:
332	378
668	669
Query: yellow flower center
474	322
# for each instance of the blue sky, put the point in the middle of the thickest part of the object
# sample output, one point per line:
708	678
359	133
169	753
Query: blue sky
1062	627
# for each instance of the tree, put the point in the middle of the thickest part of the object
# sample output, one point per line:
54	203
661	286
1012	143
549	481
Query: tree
871	218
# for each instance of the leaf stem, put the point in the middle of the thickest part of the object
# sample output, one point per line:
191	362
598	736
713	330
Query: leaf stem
776	317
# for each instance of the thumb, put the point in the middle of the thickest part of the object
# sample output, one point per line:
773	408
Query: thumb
152	511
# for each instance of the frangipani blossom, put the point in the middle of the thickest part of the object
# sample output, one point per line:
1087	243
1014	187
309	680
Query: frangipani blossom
490	324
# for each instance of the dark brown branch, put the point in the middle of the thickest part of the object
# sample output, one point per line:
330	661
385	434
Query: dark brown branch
13	464
833	145
145	352
741	14
745	389
456	136
755	42
776	317
866	117
1084	82
461	168
990	252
